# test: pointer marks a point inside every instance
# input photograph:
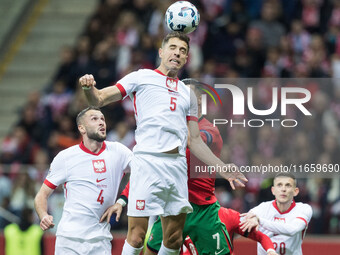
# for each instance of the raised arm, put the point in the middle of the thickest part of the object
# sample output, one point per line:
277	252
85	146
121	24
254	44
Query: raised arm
40	204
230	172
289	229
97	97
279	227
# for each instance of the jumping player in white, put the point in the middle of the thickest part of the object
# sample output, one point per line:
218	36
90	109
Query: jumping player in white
163	107
283	220
91	173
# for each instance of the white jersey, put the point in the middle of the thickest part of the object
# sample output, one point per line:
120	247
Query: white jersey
287	229
162	107
91	183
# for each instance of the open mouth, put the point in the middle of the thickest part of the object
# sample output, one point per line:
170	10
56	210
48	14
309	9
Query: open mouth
174	61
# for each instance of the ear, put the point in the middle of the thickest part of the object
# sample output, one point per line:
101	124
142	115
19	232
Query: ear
273	190
160	52
296	191
186	58
81	129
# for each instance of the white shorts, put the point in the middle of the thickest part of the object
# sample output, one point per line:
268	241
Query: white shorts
66	246
158	185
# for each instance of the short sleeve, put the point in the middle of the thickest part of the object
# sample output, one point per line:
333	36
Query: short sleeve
57	173
127	85
126	155
193	110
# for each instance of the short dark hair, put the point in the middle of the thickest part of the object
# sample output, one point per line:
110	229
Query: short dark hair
81	114
286	175
179	35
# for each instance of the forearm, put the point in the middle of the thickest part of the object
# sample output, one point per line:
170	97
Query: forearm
93	97
288	229
40	204
263	239
97	97
203	152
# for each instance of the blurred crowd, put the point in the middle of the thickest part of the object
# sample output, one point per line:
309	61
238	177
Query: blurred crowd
236	39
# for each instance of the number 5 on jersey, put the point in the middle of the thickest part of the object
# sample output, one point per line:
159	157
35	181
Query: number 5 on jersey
173	103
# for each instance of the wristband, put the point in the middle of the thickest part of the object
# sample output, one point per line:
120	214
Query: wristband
86	88
269	250
121	201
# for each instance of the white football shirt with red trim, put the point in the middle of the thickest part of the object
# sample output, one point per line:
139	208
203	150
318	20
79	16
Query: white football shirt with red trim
162	107
288	243
91	183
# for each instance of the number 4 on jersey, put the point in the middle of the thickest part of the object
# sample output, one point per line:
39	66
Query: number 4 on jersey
100	198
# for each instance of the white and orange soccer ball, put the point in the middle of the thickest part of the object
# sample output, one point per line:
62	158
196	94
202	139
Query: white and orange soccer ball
182	16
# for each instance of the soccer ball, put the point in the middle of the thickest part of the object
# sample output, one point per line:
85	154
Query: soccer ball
182	16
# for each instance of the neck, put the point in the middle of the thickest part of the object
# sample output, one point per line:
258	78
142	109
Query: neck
168	72
283	206
92	145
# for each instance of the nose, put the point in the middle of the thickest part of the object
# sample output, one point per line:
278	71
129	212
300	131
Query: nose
177	52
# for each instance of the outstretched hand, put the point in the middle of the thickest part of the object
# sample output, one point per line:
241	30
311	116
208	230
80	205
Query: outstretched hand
116	208
249	221
233	175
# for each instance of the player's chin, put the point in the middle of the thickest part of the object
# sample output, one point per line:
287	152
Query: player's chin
175	68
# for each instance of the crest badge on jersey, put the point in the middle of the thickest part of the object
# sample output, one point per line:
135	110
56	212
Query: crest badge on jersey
171	83
99	166
277	219
140	205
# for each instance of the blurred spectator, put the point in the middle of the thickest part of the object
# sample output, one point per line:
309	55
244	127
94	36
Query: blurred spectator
23	193
25	237
268	25
66	67
18	147
57	101
5	187
123	134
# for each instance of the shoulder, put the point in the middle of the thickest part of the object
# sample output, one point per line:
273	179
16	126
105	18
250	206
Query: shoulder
185	87
145	72
306	208
69	152
117	147
264	205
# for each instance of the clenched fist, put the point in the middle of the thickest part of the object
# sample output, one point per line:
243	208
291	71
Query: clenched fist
87	81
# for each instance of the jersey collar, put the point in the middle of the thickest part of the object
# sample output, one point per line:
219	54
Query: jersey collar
157	71
82	147
287	211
